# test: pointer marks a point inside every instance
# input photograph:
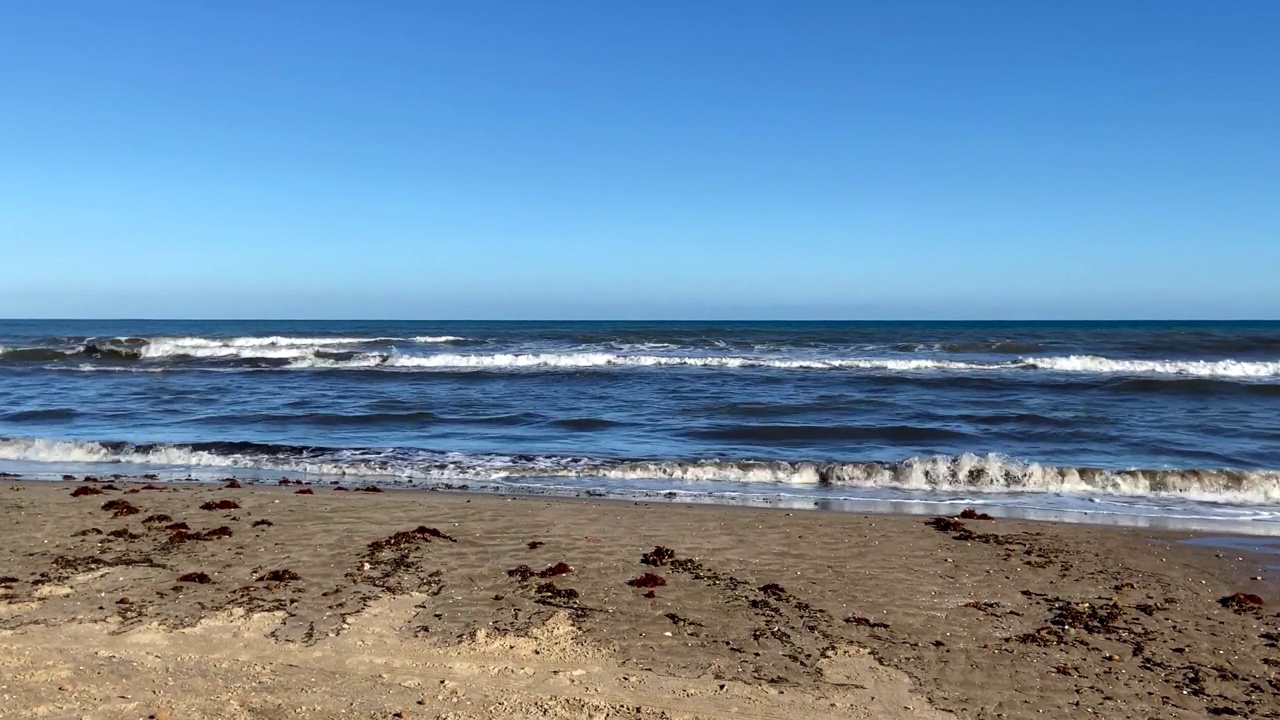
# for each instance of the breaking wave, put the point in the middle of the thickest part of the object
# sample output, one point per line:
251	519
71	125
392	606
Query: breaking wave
968	473
409	353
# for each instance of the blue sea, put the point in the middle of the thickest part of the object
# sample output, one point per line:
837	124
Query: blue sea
1126	422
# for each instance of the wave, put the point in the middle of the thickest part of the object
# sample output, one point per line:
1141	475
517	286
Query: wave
156	348
602	360
812	433
51	414
968	473
391	353
1197	368
1065	364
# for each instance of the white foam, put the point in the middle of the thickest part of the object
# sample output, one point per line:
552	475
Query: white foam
603	359
437	338
968	473
1197	368
1235	369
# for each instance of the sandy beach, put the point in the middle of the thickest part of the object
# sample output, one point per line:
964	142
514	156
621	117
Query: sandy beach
123	599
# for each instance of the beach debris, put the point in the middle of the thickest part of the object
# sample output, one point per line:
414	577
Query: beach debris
773	590
1124	586
681	621
220	505
1087	616
177	526
88	478
647	580
560	568
195	577
535	544
283	575
180	536
262	523
149	486
971	514
1241	602
8	580
339	488
556	593
1150	609
859	621
524	572
123	533
1043	636
83	490
109	486
156	519
151	476
287	481
232	484
945	524
658	556
370	489
87	531
304	491
650	595
422	533
120	508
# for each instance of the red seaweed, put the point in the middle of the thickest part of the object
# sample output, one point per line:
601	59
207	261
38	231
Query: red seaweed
647	580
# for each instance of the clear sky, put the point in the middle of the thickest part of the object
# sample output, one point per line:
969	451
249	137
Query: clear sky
597	159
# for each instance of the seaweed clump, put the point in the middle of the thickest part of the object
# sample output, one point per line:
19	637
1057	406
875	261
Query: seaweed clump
647	580
658	557
120	508
1241	602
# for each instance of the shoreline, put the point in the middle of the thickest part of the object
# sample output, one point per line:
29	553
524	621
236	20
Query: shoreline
893	501
766	612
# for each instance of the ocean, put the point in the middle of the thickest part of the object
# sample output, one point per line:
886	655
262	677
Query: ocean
1147	423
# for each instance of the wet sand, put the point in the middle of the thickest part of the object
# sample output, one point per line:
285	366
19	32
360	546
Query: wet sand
275	604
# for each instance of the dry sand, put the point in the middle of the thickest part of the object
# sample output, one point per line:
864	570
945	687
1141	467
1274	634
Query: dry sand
763	614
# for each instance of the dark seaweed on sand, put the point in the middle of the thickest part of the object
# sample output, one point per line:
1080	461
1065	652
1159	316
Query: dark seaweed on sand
658	557
120	508
647	580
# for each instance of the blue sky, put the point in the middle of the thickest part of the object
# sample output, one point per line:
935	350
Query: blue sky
640	159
